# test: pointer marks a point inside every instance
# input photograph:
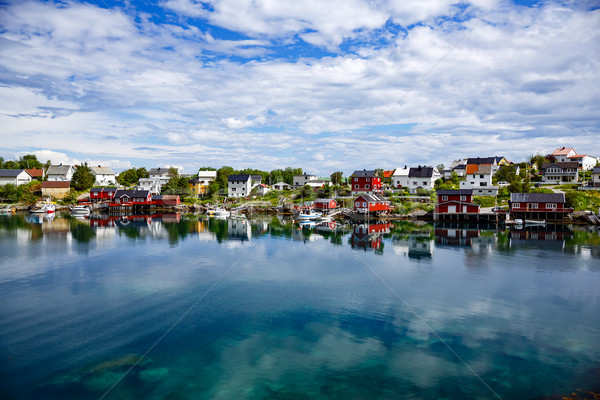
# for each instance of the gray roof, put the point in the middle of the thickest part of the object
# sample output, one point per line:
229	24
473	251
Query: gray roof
131	193
421	172
58	169
373	198
102	171
10	173
484	160
563	165
238	178
537	197
364	174
158	171
458	192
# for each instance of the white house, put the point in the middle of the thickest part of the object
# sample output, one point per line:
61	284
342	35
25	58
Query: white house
239	185
206	177
60	173
422	178
458	166
301	180
585	161
400	177
563	153
282	186
560	172
479	179
14	176
157	178
104	176
159	173
261	189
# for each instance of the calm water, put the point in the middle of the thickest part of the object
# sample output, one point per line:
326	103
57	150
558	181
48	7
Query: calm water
232	309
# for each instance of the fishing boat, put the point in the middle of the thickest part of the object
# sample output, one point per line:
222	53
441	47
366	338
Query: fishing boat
218	212
308	215
45	208
80	210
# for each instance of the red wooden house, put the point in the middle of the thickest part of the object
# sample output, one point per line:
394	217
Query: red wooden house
546	206
166	200
368	203
365	182
99	194
369	235
133	197
456	202
325	204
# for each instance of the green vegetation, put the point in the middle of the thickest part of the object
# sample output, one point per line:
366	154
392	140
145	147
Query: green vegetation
131	176
485	201
83	179
583	200
27	193
26	162
177	185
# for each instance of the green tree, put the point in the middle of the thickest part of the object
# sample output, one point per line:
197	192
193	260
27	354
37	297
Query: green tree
276	176
507	173
1	162
30	161
83	179
440	167
336	178
142	173
288	174
222	175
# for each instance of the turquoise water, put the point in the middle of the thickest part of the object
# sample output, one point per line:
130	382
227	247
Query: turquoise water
181	307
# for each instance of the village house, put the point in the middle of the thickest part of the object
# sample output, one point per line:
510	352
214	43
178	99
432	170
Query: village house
585	161
200	184
157	178
261	189
400	177
132	197
325	204
479	179
56	189
15	177
166	200
300	180
422	177
539	206
560	172
457	166
369	236
239	185
562	154
37	173
60	173
104	176
365	182
455	202
371	203
282	186
102	194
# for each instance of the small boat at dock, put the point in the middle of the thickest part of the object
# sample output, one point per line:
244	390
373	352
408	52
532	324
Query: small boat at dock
80	210
535	222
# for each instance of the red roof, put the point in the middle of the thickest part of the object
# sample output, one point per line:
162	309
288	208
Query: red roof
35	172
388	174
563	151
578	156
56	185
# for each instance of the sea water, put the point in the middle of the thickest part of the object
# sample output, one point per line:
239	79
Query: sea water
184	307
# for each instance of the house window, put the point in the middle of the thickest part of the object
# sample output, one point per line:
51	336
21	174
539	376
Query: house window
355	179
551	205
424	183
516	205
366	186
483	183
480	176
463	198
368	179
533	205
356	186
364	204
444	198
233	189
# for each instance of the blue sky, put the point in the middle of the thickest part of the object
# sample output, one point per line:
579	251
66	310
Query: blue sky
321	85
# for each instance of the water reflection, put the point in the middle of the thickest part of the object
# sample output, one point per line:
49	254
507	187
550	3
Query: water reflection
416	240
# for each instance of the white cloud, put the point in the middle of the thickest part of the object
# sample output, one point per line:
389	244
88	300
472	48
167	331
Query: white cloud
54	156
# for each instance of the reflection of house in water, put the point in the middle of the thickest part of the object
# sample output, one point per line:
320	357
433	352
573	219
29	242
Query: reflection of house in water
239	229
369	236
150	224
547	233
456	236
418	245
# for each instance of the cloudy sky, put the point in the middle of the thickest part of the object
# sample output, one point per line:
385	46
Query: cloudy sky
319	84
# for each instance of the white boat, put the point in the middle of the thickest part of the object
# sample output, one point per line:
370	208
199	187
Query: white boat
518	221
80	210
308	215
535	222
7	210
45	208
218	212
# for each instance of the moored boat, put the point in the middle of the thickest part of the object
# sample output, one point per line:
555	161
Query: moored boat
45	208
80	210
535	222
218	212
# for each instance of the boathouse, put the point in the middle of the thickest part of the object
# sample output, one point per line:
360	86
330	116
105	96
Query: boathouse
457	203
539	206
166	200
325	204
371	203
102	193
131	198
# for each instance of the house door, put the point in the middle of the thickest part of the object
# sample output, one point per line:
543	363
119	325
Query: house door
451	209
465	209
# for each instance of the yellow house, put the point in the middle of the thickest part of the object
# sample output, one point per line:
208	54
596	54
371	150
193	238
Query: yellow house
56	190
199	185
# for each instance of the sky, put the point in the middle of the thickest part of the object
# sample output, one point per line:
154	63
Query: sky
322	85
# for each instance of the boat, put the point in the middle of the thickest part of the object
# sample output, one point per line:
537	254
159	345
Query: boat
80	210
218	212
308	215
518	221
7	210
535	222
45	208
